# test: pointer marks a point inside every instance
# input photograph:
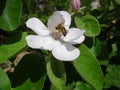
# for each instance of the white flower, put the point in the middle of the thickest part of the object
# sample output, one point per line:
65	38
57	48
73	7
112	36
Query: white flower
57	38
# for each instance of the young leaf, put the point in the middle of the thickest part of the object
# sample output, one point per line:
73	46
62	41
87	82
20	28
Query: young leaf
8	50
9	20
56	73
89	24
4	81
88	67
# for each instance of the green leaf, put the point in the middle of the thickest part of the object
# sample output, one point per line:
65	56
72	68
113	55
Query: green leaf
52	87
81	86
9	20
114	50
56	73
4	81
88	67
96	47
112	78
86	2
28	85
2	6
89	24
8	50
30	5
117	1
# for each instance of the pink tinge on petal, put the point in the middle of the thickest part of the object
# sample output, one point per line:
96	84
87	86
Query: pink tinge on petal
37	26
65	52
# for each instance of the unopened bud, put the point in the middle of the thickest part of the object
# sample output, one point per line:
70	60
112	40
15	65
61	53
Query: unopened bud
75	5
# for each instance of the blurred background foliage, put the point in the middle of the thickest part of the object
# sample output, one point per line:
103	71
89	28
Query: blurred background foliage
28	76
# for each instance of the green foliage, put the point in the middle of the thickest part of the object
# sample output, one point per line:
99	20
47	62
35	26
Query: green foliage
112	77
28	85
38	70
86	2
96	48
89	24
88	67
9	49
4	81
117	1
29	74
81	86
10	18
56	73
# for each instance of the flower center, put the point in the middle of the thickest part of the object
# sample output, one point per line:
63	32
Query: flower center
59	31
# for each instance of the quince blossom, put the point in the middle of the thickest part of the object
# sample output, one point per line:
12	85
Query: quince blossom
57	38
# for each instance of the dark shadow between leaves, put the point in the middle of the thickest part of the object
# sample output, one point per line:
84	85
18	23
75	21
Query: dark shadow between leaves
31	66
57	68
2	6
71	72
9	37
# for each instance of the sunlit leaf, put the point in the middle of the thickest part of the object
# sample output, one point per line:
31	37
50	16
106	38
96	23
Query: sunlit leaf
88	67
4	81
9	49
10	18
89	24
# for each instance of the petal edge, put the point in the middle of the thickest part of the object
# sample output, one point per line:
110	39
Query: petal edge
65	52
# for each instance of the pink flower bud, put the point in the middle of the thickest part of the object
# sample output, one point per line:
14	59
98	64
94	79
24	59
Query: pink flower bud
75	5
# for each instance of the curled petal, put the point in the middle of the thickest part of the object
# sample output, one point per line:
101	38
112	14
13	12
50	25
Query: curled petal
66	17
65	52
79	40
73	34
38	42
55	20
37	26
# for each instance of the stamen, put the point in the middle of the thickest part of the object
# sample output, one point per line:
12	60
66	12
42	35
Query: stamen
59	31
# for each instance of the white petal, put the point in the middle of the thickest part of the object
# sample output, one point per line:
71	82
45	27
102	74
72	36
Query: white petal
37	26
55	20
38	42
73	34
66	17
65	52
79	40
